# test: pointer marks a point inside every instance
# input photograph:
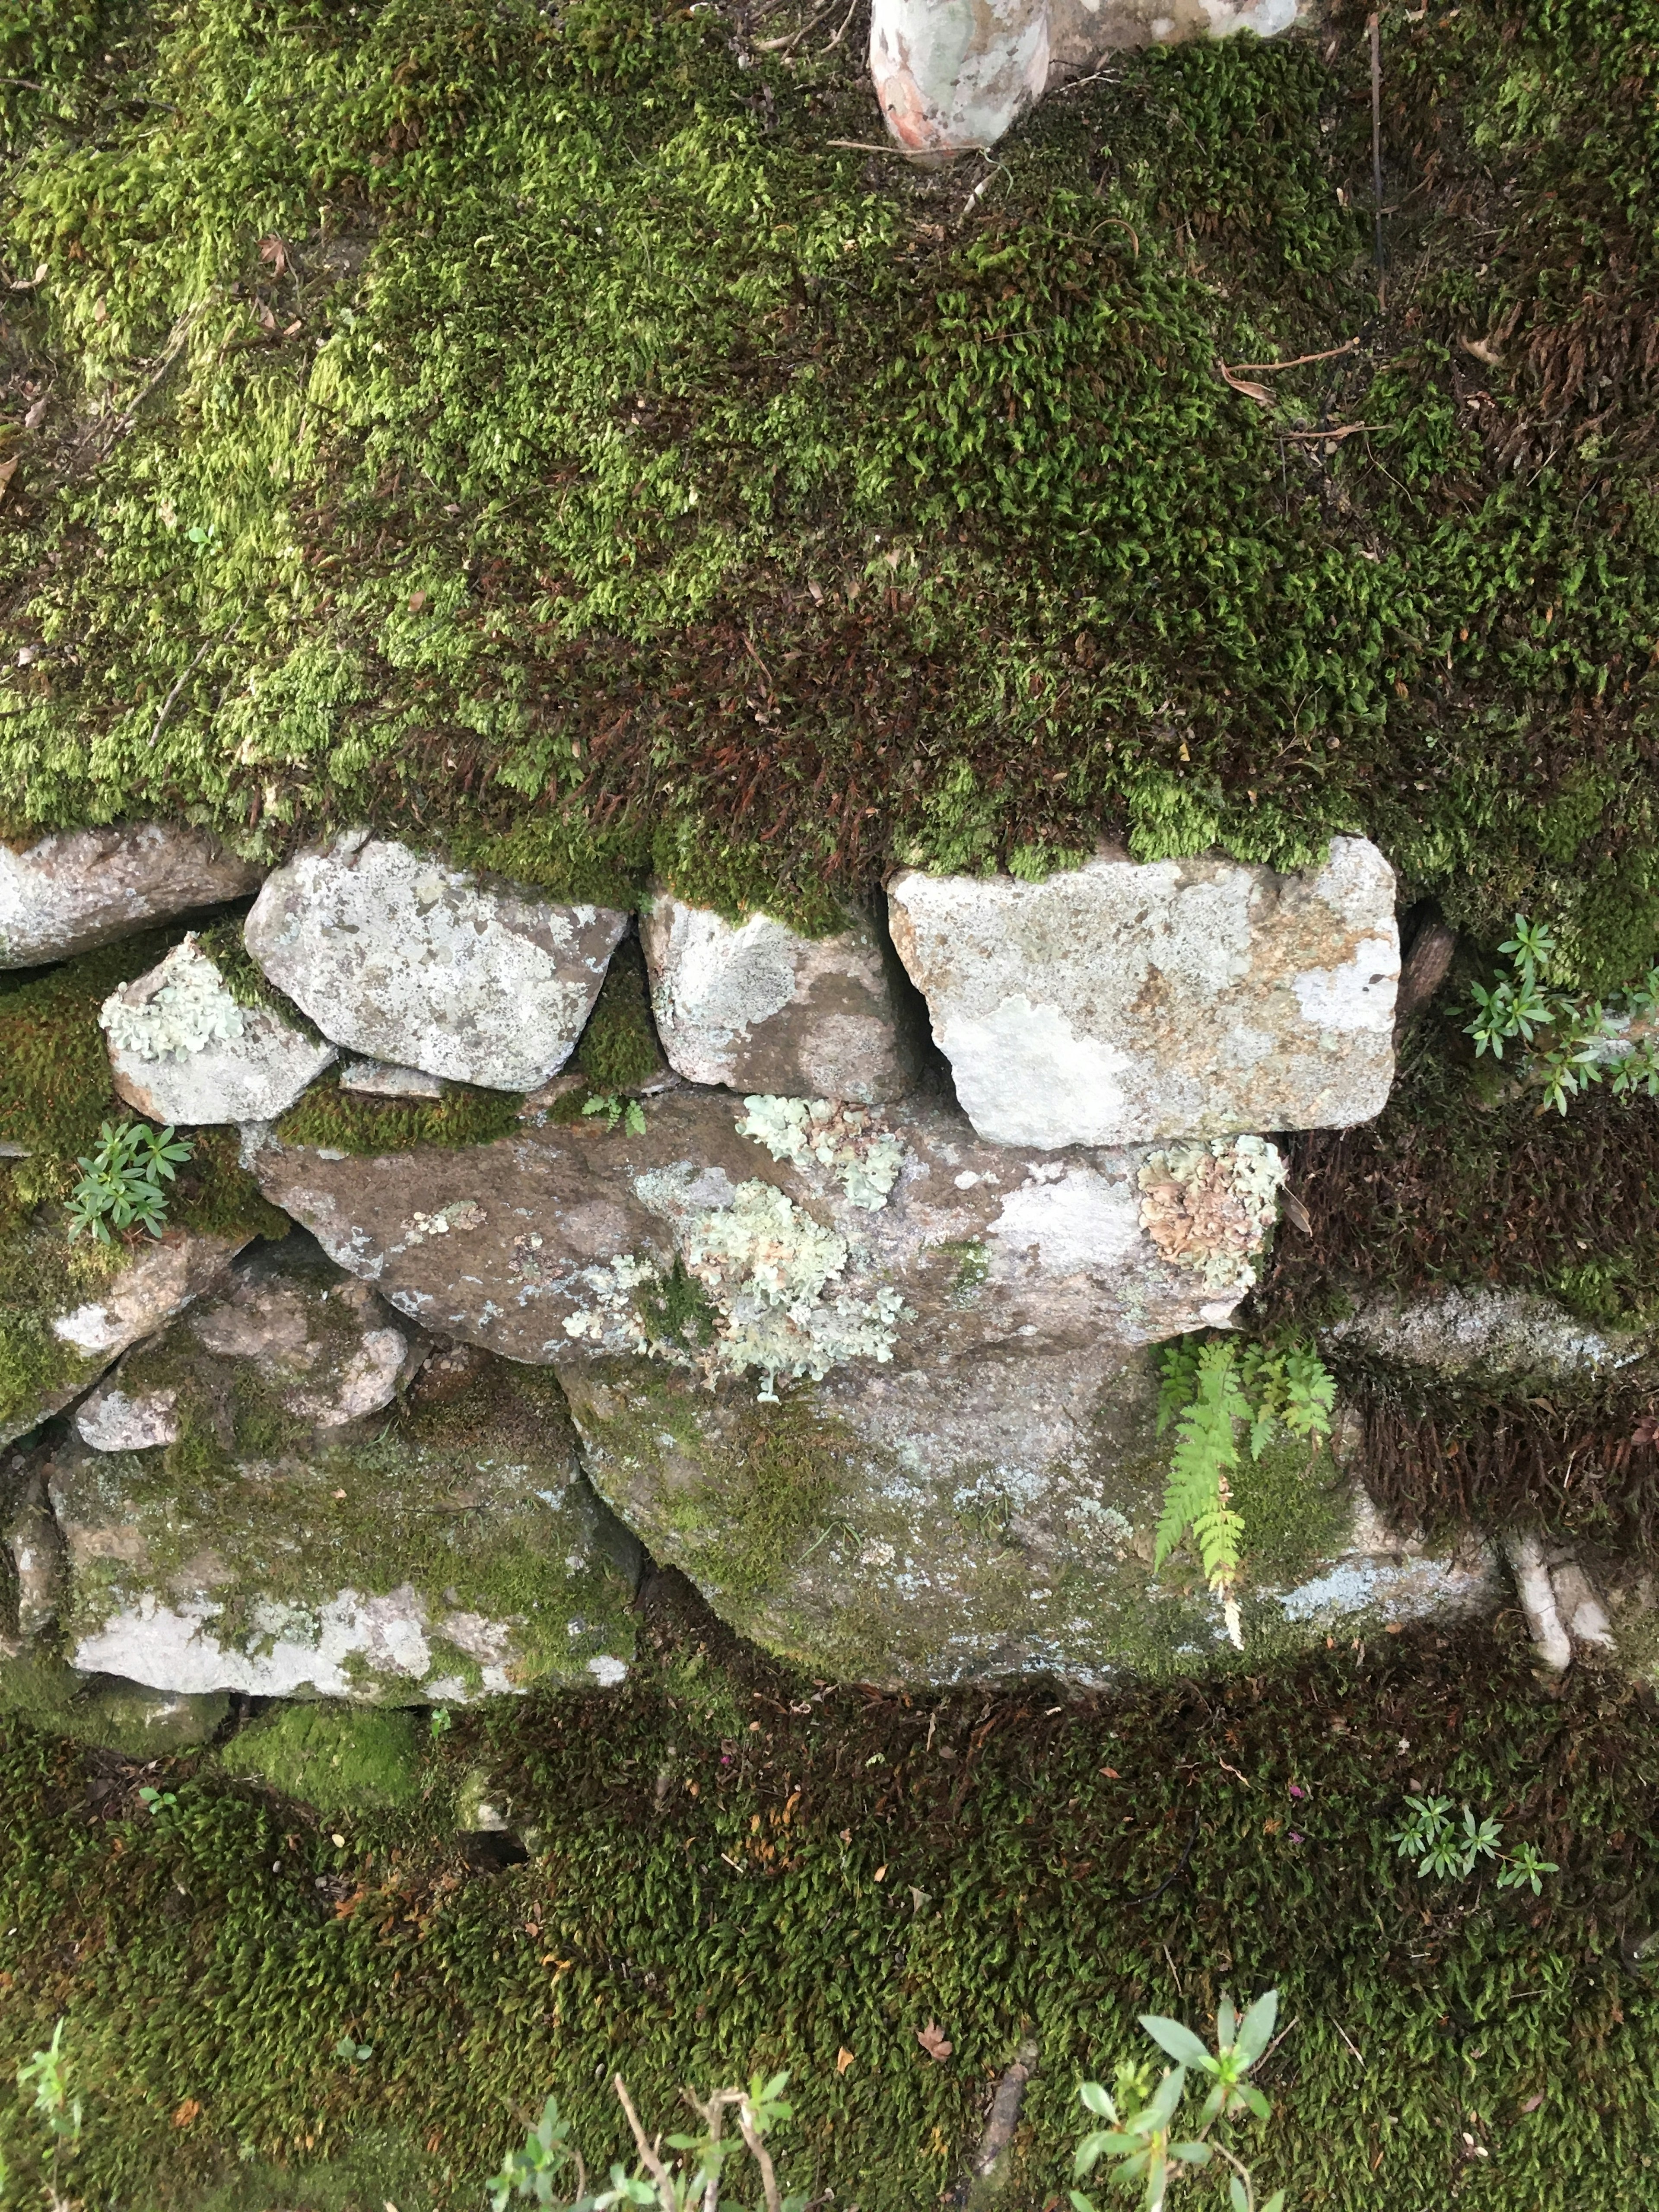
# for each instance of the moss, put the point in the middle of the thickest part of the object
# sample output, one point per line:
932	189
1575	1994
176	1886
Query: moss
101	1709
337	1757
343	1121
225	945
619	1050
1295	1506
55	1086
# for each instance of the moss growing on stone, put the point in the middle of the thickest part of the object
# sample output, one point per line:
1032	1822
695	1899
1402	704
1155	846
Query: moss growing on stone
619	1050
247	983
349	1121
101	1709
338	1758
55	1086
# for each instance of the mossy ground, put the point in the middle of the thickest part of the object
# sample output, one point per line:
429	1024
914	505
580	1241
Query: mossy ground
536	432
337	1757
349	1121
764	1872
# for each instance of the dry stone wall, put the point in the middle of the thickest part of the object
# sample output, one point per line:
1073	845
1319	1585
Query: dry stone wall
861	1337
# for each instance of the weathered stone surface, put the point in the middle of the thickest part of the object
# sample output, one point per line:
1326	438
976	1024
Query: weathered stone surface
182	1050
376	1078
1082	34
123	1295
1500	1333
82	888
954	75
404	960
295	1536
1118	1003
760	1008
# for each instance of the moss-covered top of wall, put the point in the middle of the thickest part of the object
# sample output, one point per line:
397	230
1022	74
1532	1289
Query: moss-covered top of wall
530	429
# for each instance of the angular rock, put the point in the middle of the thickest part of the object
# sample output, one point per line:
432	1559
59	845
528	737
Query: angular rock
1119	1002
402	959
952	75
1083	33
298	1536
375	1079
182	1049
760	1008
61	1343
1502	1333
82	888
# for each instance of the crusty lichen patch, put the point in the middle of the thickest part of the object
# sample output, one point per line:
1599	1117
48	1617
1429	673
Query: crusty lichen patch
853	1142
1209	1205
181	1008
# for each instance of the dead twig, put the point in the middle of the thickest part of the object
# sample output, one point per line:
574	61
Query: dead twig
784	45
863	146
168	703
846	21
1373	27
1272	367
1338	431
648	2158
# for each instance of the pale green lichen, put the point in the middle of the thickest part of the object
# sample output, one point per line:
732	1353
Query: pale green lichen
181	1007
765	1266
864	1157
1209	1205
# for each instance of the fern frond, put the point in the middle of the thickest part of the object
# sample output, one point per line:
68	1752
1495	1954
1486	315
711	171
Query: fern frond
1177	1380
1205	1450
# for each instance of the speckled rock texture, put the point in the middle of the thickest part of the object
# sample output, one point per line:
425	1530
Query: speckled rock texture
181	1050
952	75
82	888
293	1532
149	1284
1123	1002
1502	1333
756	1006
1082	32
402	959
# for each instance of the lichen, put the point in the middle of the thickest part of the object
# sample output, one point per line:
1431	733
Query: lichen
180	1009
1209	1205
864	1157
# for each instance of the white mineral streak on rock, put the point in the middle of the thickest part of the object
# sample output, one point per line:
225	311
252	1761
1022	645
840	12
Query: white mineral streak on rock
110	1421
760	1008
181	1050
402	959
325	1651
952	75
82	888
1119	1003
1578	1604
375	1079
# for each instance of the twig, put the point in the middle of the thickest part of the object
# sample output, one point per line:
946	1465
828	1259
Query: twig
845	20
1349	2040
1100	76
168	703
1337	430
863	146
1181	1868
762	2157
782	45
996	169
648	2158
1268	368
1374	26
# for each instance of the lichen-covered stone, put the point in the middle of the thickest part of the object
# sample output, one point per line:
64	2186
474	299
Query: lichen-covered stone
182	1050
972	1517
376	1078
1120	1003
444	1551
79	889
759	1007
1496	1333
718	1240
402	959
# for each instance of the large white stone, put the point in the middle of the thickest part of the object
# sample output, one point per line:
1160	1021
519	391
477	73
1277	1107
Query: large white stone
82	888
952	75
1123	1002
759	1007
181	1050
402	959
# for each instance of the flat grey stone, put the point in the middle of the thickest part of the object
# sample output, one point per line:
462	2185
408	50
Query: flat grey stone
181	1050
1502	1333
759	1007
402	959
80	888
1119	1002
376	1078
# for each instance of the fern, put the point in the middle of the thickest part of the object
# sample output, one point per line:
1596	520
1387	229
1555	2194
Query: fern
1205	1391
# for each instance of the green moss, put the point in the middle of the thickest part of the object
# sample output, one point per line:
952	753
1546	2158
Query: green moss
881	530
104	1711
225	945
344	1121
337	1757
55	1086
1295	1506
619	1050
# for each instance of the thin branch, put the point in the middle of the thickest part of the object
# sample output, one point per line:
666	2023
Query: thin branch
842	34
783	45
762	2157
1267	367
863	146
648	2158
168	703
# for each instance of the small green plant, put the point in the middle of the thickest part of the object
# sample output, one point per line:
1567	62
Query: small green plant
1446	1848
47	2073
157	1801
1206	1392
439	1723
695	2178
353	2053
121	1184
1141	2118
1582	1034
616	1108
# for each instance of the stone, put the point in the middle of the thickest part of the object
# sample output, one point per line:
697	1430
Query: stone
759	1007
1500	1333
80	888
401	959
1082	35
300	1535
126	1293
106	1710
375	1079
1123	1002
182	1051
952	75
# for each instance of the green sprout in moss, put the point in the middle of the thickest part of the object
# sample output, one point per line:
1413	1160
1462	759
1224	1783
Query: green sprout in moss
1585	1037
628	1111
120	1186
